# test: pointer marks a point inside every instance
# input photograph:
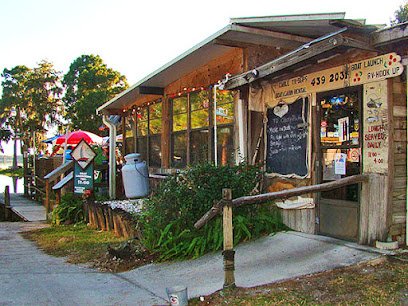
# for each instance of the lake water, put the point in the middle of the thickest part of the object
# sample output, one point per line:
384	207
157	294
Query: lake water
16	184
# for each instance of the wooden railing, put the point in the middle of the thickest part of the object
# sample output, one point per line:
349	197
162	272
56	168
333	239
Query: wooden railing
227	203
52	177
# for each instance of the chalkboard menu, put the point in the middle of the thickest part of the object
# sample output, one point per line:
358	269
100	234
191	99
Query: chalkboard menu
287	138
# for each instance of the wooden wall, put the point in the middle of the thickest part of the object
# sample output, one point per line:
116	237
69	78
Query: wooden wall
398	208
210	73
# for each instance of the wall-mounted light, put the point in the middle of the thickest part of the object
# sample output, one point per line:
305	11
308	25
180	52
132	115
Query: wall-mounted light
252	75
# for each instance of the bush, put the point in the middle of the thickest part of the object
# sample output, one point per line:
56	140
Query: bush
169	216
70	210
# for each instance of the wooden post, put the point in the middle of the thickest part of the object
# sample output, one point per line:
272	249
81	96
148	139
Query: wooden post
7	208
58	197
47	196
25	172
228	253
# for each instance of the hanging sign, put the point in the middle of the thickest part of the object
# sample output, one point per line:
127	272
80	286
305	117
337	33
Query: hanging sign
83	156
83	178
362	72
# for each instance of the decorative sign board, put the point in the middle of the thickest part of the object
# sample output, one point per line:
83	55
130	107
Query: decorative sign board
375	132
83	178
357	73
287	139
83	156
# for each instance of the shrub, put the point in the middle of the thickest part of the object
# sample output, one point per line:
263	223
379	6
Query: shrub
169	216
70	210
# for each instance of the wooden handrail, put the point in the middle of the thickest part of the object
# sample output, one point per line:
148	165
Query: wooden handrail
284	194
56	173
64	181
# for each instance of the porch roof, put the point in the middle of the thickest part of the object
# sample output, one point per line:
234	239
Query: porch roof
318	50
280	31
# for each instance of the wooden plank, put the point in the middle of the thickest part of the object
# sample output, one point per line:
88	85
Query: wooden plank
400	123
399	206
364	213
64	181
378	210
400	182
400	111
53	175
400	159
284	194
400	171
399	194
399	218
400	135
400	147
389	183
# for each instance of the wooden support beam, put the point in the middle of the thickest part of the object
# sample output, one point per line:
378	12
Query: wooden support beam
47	196
150	90
306	52
228	253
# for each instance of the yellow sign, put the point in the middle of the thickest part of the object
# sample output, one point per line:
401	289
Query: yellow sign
366	71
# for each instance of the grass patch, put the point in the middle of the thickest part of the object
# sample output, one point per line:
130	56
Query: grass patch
376	283
12	172
78	243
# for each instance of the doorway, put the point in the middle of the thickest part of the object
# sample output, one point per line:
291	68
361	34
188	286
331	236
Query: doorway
340	156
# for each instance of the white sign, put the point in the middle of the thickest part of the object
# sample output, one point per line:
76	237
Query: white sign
83	154
340	163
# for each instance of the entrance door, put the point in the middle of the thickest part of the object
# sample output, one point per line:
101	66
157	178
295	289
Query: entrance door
340	156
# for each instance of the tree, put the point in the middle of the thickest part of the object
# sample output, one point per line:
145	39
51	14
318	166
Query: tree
88	84
401	15
30	103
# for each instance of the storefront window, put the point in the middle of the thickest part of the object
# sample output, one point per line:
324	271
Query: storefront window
225	107
225	147
149	128
340	121
179	141
192	128
130	143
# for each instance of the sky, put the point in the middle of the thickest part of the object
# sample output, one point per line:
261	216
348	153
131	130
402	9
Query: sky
137	37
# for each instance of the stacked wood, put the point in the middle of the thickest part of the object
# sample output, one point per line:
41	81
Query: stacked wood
103	217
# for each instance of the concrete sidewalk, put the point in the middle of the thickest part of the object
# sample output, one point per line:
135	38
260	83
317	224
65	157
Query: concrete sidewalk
28	276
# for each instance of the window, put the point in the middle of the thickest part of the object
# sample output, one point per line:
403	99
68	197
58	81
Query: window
193	128
148	133
225	121
130	142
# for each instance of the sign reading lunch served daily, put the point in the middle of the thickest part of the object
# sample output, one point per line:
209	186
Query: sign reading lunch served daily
362	72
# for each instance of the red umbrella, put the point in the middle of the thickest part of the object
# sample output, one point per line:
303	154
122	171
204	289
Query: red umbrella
77	136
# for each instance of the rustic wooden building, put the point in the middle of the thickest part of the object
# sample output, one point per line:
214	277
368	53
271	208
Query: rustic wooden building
315	97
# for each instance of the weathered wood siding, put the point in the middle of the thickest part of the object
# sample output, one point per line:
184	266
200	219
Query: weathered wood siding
398	208
210	73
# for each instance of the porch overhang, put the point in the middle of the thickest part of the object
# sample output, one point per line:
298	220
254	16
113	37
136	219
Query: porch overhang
326	47
287	32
